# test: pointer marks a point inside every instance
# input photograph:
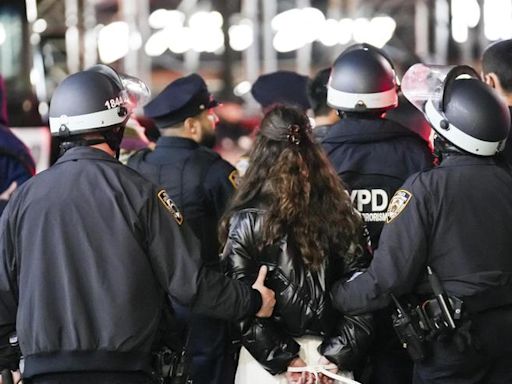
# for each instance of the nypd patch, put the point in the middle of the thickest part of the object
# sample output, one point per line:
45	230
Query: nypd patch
398	203
234	178
170	206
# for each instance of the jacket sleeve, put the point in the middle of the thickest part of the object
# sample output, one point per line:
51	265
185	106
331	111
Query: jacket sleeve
400	258
220	183
175	255
266	342
349	346
9	356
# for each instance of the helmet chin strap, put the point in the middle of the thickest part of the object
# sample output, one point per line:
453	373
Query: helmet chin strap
112	137
443	148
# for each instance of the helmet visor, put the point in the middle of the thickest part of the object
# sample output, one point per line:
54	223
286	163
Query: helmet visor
136	91
422	83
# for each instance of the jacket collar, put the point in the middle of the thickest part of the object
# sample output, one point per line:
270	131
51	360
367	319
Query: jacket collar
85	153
352	130
458	159
176	141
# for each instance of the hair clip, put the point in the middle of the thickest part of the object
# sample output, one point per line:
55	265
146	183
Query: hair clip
294	134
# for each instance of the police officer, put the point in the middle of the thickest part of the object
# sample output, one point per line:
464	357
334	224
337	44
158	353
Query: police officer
497	73
16	163
281	87
451	221
200	182
373	156
324	116
89	250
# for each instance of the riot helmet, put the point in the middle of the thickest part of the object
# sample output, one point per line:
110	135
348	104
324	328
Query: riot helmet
95	100
362	79
461	109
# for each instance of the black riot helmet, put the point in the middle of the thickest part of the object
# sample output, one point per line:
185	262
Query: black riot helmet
462	109
95	100
362	79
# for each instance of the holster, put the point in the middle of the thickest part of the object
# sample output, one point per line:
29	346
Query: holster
171	367
422	322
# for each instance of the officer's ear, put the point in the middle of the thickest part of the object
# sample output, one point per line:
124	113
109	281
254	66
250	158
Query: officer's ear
191	125
491	79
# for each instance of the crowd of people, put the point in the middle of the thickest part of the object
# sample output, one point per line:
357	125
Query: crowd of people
346	249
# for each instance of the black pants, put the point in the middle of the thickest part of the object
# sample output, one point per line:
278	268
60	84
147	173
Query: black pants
488	360
210	361
388	362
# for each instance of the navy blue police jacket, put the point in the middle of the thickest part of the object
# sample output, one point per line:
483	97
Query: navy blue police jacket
454	218
16	163
373	157
89	251
197	179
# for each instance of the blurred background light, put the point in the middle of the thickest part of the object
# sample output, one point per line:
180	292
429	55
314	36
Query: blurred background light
241	35
497	16
39	26
113	41
3	35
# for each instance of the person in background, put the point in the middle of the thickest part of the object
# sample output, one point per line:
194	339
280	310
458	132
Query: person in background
200	182
90	252
281	87
277	88
16	162
373	156
497	73
324	115
445	248
134	139
292	214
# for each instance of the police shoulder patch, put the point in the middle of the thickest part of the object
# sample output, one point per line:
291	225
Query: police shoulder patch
397	204
170	206
234	178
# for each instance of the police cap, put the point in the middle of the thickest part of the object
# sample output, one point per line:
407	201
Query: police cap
281	87
185	97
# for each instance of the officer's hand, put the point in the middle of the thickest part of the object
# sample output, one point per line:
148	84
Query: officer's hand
268	296
16	377
5	195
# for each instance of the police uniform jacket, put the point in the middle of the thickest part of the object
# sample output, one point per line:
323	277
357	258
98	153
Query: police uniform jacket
197	179
320	131
454	218
373	157
16	163
302	298
88	251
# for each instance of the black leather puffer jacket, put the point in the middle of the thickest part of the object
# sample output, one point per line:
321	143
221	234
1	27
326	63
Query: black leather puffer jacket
303	305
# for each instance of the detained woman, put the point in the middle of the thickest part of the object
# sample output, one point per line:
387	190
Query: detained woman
292	214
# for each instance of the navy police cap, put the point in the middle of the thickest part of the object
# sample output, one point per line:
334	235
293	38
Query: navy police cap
185	97
281	87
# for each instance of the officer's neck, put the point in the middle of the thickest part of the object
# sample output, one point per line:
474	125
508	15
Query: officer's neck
105	148
182	132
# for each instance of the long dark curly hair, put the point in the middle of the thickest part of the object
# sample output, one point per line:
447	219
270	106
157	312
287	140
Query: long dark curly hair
306	199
